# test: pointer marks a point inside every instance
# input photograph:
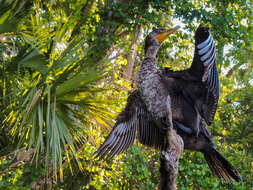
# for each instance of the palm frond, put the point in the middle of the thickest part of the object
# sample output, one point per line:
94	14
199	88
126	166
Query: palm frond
55	89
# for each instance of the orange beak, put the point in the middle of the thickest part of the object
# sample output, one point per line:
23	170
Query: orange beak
162	36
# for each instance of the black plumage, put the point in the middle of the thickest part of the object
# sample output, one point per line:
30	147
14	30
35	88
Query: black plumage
198	86
220	167
187	98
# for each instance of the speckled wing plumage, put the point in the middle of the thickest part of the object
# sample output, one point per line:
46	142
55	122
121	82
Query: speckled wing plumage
133	120
148	133
205	68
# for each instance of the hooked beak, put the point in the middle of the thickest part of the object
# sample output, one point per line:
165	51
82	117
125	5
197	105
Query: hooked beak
162	36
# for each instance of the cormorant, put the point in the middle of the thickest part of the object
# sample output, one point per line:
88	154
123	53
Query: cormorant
154	92
190	97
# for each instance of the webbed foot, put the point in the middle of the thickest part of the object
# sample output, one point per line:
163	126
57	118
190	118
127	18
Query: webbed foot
194	131
183	128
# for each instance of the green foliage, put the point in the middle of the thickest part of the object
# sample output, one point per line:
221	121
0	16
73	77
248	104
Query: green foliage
195	174
18	178
136	171
62	84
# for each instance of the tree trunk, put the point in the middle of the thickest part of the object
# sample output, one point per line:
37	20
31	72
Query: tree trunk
169	162
132	55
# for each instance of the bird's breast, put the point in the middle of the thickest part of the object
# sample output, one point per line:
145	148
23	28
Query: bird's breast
152	90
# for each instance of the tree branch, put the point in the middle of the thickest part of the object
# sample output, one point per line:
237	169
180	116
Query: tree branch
169	162
132	55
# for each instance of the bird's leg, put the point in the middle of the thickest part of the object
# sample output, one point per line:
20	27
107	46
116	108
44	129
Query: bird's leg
195	132
197	126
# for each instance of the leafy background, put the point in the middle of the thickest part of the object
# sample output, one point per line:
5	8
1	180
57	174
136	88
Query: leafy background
66	68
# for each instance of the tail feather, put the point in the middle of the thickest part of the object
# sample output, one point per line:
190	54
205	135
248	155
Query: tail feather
220	167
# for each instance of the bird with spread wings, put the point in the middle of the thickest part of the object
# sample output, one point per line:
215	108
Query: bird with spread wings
185	100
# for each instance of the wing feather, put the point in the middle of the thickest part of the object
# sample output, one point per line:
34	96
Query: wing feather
204	66
208	54
201	81
133	118
123	133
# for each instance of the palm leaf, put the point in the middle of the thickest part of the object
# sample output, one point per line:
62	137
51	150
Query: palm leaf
55	91
35	61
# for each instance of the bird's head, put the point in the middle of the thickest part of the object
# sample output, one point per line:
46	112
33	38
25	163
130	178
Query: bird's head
157	36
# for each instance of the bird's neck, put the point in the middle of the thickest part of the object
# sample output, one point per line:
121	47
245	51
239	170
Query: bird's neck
151	52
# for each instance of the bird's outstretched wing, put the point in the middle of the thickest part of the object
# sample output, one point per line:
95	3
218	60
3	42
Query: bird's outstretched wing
133	120
204	67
